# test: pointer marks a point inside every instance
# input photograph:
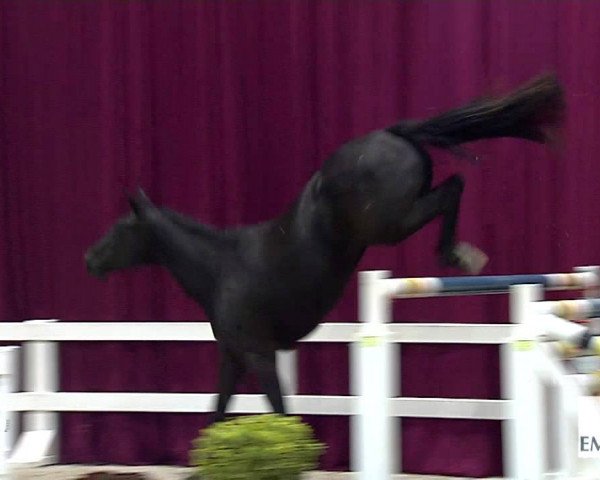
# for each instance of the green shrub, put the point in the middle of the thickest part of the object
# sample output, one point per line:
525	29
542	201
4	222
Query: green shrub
257	447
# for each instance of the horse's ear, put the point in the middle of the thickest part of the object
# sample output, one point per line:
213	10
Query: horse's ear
138	201
131	200
133	204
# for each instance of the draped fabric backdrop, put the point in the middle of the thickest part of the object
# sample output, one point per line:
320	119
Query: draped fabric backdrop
222	110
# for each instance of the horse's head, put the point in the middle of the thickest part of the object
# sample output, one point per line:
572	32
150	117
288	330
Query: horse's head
128	243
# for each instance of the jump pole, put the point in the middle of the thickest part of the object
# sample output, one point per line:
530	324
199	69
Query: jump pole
585	279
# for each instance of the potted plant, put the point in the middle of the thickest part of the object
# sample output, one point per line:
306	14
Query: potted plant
257	447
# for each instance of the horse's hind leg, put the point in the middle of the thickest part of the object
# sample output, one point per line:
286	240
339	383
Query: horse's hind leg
444	200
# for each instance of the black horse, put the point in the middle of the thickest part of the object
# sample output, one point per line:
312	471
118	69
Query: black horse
265	286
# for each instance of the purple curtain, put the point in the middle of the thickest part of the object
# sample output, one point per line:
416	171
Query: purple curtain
223	110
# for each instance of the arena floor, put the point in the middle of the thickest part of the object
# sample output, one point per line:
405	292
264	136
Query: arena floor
73	472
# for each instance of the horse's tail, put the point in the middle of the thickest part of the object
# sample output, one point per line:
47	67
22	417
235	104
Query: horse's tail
530	112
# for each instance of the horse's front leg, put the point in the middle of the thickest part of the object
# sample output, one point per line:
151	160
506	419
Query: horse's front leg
444	201
231	370
264	366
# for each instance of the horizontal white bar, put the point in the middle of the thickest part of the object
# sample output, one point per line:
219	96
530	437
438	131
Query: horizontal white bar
106	331
201	331
145	331
205	403
333	332
451	333
451	408
172	403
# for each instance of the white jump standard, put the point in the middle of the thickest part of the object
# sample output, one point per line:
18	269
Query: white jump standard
537	370
378	459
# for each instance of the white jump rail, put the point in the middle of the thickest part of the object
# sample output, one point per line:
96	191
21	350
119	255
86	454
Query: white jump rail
41	401
373	341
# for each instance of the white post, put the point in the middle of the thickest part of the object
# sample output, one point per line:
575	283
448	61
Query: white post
4	374
523	435
374	437
38	444
8	384
41	375
8	372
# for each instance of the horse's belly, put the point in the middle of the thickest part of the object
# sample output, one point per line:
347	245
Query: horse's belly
289	330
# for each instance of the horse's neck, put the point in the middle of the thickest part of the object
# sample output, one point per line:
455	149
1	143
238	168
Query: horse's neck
192	226
191	251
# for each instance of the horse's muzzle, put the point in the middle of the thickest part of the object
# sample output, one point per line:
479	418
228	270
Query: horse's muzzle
93	267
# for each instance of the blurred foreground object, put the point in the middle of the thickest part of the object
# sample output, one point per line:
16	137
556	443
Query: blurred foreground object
258	447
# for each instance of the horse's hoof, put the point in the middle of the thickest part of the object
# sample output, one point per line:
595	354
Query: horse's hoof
469	258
